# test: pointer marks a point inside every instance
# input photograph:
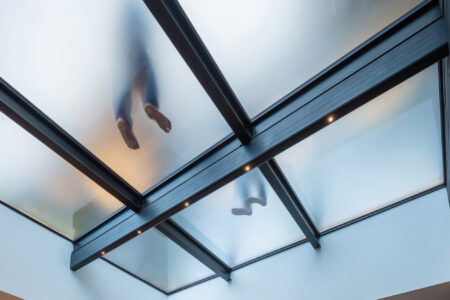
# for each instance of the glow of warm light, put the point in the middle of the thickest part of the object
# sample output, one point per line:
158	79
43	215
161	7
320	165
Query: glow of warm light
247	168
186	204
139	232
103	252
330	119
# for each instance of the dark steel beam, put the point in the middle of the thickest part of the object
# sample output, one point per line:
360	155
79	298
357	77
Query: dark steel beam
404	49
444	84
24	113
326	232
183	239
444	89
182	34
192	246
393	35
288	197
445	8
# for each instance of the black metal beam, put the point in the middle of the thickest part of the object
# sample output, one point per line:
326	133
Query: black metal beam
445	8
444	83
192	246
396	33
33	120
404	49
24	113
182	34
326	232
183	239
288	197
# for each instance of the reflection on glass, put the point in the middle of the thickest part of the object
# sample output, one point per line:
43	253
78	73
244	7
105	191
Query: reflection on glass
36	181
156	259
240	221
267	48
384	151
92	64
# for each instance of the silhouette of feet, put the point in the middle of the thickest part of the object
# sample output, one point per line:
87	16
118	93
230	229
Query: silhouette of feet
127	134
242	211
246	210
154	114
258	200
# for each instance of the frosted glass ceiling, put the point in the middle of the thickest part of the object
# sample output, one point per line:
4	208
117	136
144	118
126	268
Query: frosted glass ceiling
156	259
74	65
384	151
267	48
38	182
239	238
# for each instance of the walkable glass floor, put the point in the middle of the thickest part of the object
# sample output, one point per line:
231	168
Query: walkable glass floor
109	76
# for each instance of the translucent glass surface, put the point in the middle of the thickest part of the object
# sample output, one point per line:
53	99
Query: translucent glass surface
75	60
383	152
38	182
236	239
156	259
267	48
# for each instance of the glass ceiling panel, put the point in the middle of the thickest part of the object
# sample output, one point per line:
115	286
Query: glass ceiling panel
236	239
267	48
383	152
156	259
36	181
79	61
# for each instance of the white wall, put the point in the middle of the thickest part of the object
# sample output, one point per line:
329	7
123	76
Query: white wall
34	264
405	248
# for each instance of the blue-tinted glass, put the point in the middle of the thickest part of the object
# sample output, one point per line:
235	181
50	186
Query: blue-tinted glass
156	259
239	238
383	152
267	48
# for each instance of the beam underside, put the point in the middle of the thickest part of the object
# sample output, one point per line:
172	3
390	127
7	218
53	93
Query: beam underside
186	40
394	34
406	59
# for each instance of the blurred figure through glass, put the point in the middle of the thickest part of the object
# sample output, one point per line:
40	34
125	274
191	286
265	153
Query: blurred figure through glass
141	81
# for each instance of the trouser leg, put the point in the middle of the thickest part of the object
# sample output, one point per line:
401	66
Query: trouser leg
122	106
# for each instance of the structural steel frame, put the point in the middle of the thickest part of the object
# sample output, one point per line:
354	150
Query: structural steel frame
412	43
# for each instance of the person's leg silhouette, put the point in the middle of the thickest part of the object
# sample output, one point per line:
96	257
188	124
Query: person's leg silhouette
241	192
258	194
151	105
249	189
122	109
